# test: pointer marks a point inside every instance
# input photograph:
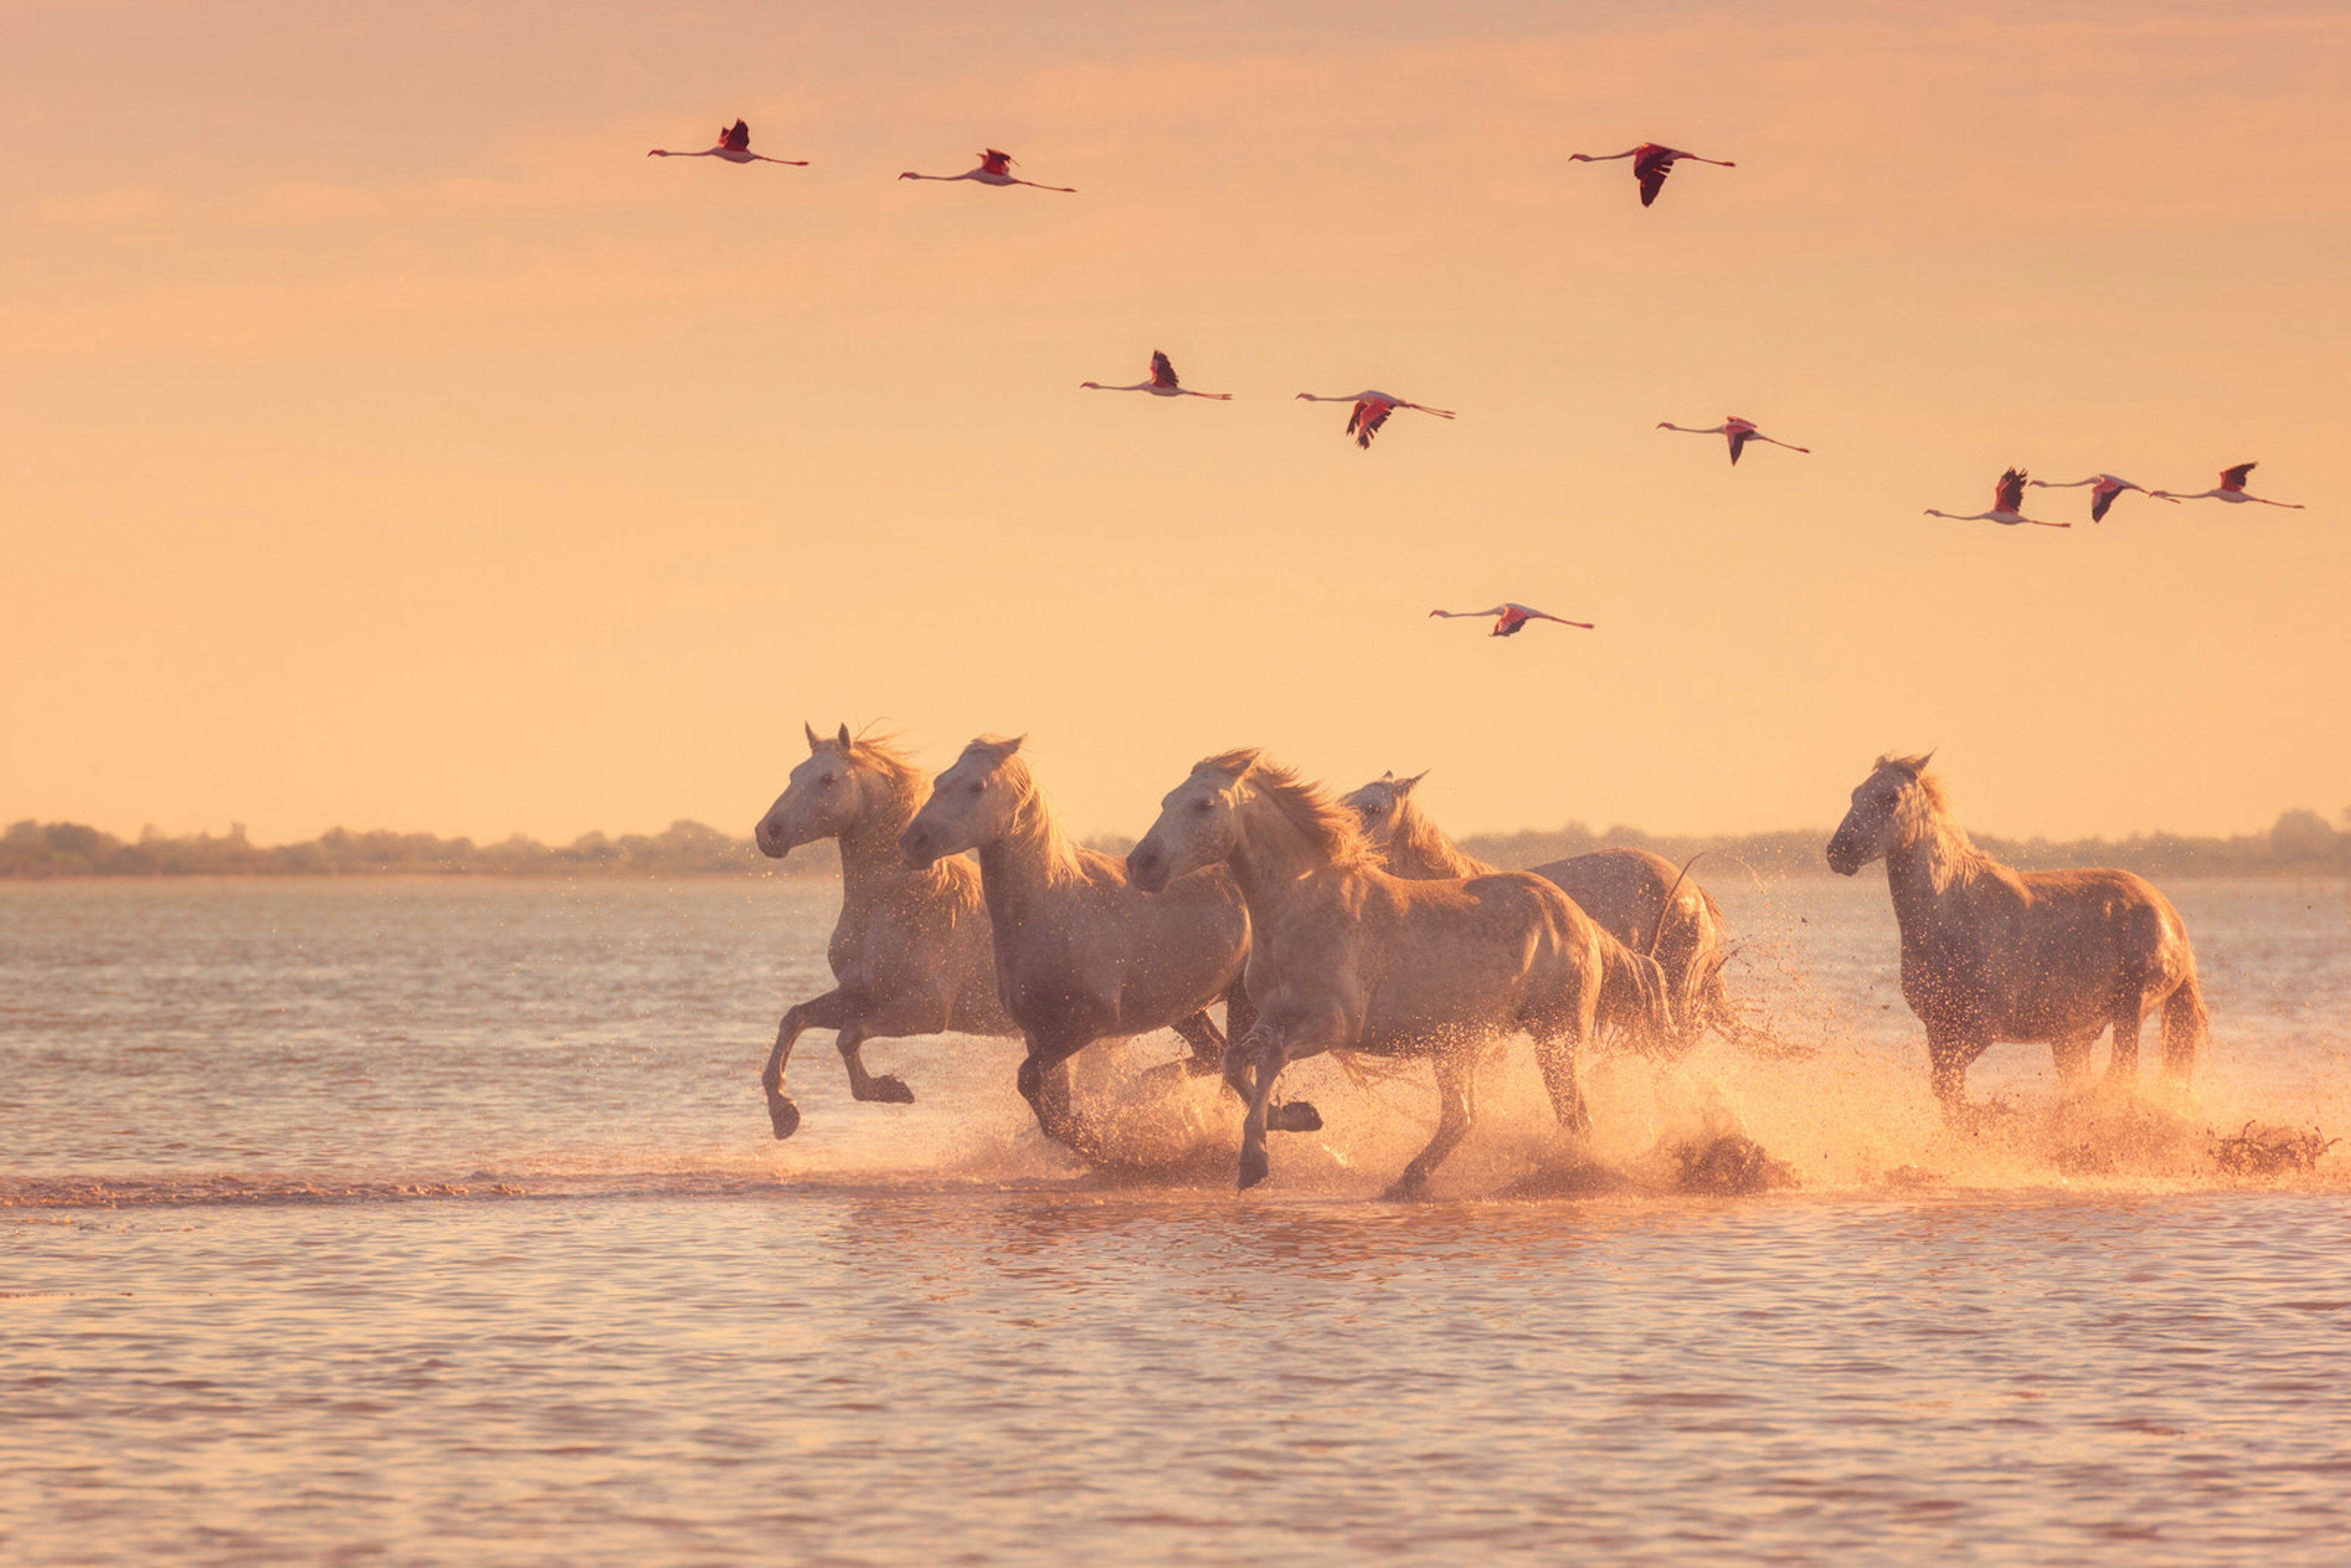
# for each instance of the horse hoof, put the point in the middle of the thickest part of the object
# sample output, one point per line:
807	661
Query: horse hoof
1406	1189
1254	1167
783	1115
888	1090
1297	1116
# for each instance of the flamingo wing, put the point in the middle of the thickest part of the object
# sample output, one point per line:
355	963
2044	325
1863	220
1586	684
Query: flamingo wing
995	163
1738	439
2234	478
1366	421
2101	498
737	137
1513	620
2009	495
1651	164
1163	374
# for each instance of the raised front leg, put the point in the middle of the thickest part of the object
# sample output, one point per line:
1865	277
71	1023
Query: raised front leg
1454	1071
882	1087
830	1011
1275	1050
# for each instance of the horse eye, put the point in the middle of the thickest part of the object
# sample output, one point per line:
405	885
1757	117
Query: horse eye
979	786
1199	806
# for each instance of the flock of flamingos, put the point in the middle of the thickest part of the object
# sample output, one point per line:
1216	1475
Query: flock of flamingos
1652	161
1351	924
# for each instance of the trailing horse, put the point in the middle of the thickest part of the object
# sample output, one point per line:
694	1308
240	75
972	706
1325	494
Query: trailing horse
1649	909
1991	953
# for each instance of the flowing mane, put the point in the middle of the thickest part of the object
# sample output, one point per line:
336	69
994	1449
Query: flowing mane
1318	815
1032	814
1924	821
1419	840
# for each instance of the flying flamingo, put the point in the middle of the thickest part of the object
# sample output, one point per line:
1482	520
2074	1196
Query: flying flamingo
735	146
2105	488
1161	385
2233	490
995	169
1509	618
2005	500
1736	431
1372	411
1651	164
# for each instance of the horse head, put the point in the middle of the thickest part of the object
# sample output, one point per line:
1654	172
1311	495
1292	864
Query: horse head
1887	809
823	798
971	804
1198	823
1380	805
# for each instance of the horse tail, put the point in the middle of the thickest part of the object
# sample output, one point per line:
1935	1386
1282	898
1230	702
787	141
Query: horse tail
1633	995
2185	1024
1666	913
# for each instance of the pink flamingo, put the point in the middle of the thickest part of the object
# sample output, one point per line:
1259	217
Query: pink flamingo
2231	490
995	169
2105	488
1509	618
1736	431
1372	411
735	146
2006	499
1161	385
1651	164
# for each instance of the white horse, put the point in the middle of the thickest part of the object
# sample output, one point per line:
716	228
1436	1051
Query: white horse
910	953
1080	954
1344	956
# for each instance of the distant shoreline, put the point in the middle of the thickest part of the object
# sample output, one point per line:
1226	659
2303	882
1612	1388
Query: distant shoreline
2301	844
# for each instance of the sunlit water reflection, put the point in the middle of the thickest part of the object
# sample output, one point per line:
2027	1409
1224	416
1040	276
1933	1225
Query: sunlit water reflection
441	1221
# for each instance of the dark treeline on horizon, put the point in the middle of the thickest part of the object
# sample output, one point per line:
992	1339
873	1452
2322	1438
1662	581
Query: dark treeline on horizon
2301	844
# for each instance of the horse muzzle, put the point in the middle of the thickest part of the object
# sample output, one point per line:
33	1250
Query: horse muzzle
1146	868
917	847
1844	859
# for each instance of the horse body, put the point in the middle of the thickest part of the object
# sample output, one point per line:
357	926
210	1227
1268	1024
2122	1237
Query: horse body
1991	954
1637	899
909	952
1080	953
1345	956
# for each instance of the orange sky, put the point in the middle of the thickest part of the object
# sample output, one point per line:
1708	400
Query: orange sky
392	443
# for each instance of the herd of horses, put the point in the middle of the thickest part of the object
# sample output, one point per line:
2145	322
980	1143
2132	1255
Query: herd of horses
1351	924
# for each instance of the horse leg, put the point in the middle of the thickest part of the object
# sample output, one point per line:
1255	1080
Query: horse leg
2071	1056
1273	1056
830	1011
1555	1054
1208	1043
1949	1053
2122	1067
884	1087
1294	1116
1044	1082
1454	1071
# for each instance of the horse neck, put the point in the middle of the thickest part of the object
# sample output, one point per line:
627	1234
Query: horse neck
1023	865
1271	862
869	845
1421	849
1930	867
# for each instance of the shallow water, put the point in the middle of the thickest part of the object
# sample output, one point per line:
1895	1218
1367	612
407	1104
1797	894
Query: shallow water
418	1220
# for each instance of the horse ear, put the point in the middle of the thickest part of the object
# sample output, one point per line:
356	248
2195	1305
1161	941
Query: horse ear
1234	764
1405	785
1388	777
1914	765
813	741
845	742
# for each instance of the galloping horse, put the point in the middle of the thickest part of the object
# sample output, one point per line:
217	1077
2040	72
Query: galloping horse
1637	898
1081	955
910	953
1991	953
1344	956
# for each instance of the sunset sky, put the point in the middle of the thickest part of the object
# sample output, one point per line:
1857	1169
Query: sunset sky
389	442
